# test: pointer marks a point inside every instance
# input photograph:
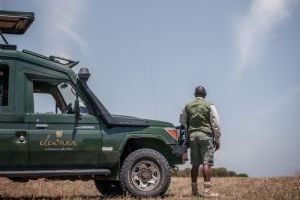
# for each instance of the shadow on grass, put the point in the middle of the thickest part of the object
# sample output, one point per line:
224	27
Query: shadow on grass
89	197
84	197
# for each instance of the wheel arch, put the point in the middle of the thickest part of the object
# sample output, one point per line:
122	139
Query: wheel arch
132	144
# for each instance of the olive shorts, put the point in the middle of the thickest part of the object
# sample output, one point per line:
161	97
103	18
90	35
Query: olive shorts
202	151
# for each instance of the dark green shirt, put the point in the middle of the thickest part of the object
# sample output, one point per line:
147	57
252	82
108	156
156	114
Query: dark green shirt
201	118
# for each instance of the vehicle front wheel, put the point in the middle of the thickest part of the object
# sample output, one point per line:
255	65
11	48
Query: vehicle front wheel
145	173
109	188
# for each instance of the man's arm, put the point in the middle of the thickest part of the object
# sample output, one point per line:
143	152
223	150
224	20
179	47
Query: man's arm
183	119
215	124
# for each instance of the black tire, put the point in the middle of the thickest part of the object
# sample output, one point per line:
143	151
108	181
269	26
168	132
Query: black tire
134	173
109	188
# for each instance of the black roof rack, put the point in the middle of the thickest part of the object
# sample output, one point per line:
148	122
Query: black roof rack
62	61
8	46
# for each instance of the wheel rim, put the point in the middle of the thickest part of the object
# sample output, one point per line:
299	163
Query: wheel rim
145	175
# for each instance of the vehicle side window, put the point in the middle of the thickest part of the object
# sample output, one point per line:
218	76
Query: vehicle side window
44	103
56	97
4	76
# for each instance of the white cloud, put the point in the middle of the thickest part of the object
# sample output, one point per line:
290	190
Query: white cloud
256	27
63	27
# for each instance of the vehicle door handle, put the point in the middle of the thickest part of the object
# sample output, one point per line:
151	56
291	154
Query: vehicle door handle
41	126
21	135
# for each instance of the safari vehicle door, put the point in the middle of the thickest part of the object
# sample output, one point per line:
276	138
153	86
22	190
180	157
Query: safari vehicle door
63	134
13	132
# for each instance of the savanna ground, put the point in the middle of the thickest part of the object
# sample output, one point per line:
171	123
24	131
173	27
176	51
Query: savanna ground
229	188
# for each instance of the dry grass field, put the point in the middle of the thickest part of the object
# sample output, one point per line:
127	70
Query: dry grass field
229	188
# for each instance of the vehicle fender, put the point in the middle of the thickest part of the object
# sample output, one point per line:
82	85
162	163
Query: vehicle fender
137	136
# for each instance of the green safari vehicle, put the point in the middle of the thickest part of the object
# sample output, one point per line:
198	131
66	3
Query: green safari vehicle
53	126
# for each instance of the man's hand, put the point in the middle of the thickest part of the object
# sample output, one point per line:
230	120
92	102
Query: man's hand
187	143
217	145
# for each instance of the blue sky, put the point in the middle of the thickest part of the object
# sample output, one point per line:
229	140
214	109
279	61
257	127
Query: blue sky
146	58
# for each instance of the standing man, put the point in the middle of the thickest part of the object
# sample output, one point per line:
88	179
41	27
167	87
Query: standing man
201	120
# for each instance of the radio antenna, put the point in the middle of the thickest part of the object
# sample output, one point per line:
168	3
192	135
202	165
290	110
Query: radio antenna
153	90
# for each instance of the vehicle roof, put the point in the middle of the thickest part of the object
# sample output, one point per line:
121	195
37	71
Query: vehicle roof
39	60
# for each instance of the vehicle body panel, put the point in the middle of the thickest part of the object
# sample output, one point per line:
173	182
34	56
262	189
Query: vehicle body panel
61	141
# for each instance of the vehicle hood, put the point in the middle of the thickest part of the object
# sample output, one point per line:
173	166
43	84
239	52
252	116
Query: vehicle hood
135	121
159	123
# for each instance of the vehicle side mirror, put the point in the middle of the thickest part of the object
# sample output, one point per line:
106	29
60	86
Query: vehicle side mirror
77	108
63	86
56	108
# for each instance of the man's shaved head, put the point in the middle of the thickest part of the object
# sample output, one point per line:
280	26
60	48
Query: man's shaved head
200	92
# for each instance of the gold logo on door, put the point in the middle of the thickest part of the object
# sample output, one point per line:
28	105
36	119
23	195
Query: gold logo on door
58	141
59	134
